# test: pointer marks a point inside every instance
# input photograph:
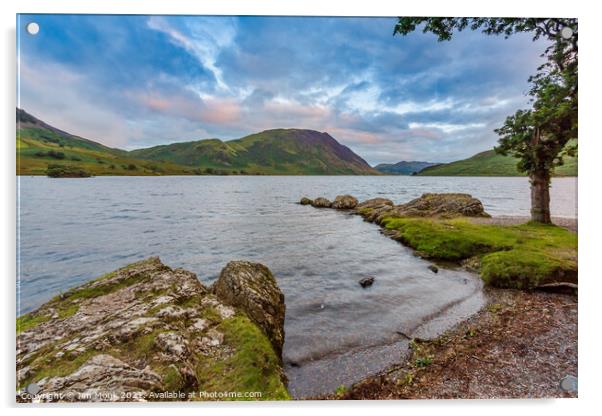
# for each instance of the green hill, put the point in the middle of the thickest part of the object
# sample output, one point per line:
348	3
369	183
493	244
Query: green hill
40	145
279	151
489	163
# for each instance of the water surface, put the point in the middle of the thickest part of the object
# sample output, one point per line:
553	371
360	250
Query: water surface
72	230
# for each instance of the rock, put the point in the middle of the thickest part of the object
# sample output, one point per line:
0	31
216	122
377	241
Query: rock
252	288
173	344
371	209
559	287
344	202
132	328
321	203
375	203
103	378
366	282
447	205
433	268
305	201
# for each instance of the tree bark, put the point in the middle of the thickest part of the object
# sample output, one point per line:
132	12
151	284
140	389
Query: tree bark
540	197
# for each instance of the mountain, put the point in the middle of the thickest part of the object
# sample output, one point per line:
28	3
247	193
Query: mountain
40	145
278	151
402	168
489	163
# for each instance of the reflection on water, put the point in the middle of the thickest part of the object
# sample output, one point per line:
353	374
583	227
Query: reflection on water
74	230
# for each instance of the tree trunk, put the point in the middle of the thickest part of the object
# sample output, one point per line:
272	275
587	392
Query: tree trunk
540	197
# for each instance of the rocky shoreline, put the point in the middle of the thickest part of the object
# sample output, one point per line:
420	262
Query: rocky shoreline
521	345
148	332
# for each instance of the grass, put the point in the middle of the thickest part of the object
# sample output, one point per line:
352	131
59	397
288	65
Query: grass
29	321
522	256
253	367
48	365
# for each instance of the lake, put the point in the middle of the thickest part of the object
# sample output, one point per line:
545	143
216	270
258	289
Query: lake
73	230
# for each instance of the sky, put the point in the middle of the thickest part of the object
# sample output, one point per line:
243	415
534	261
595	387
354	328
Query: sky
140	81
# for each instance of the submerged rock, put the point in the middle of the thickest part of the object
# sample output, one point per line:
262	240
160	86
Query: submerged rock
366	282
344	202
433	268
148	329
321	203
252	288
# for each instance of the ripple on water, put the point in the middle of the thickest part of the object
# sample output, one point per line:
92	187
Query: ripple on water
336	332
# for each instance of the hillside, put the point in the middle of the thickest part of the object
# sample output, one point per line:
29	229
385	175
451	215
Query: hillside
489	163
281	151
402	168
40	145
278	151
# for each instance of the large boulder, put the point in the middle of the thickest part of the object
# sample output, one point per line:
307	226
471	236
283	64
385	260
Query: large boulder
252	288
344	202
145	330
445	205
321	203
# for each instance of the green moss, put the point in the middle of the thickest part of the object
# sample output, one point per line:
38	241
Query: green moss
29	321
67	310
48	365
102	286
365	211
448	240
172	379
254	367
141	347
522	256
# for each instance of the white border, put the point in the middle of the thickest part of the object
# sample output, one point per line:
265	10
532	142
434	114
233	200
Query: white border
589	195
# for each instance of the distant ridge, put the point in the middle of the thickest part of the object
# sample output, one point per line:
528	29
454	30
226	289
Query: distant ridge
490	163
402	168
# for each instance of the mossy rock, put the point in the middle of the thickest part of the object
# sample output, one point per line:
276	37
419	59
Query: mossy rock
141	332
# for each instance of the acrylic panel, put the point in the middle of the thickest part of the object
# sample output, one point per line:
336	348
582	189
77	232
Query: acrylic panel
277	208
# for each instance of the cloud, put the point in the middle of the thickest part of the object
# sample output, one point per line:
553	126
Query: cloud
135	81
204	38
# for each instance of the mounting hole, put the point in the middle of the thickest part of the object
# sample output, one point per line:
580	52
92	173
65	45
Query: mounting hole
32	28
566	32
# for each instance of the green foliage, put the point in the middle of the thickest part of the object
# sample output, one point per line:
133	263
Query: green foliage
422	362
537	137
66	171
341	390
521	256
